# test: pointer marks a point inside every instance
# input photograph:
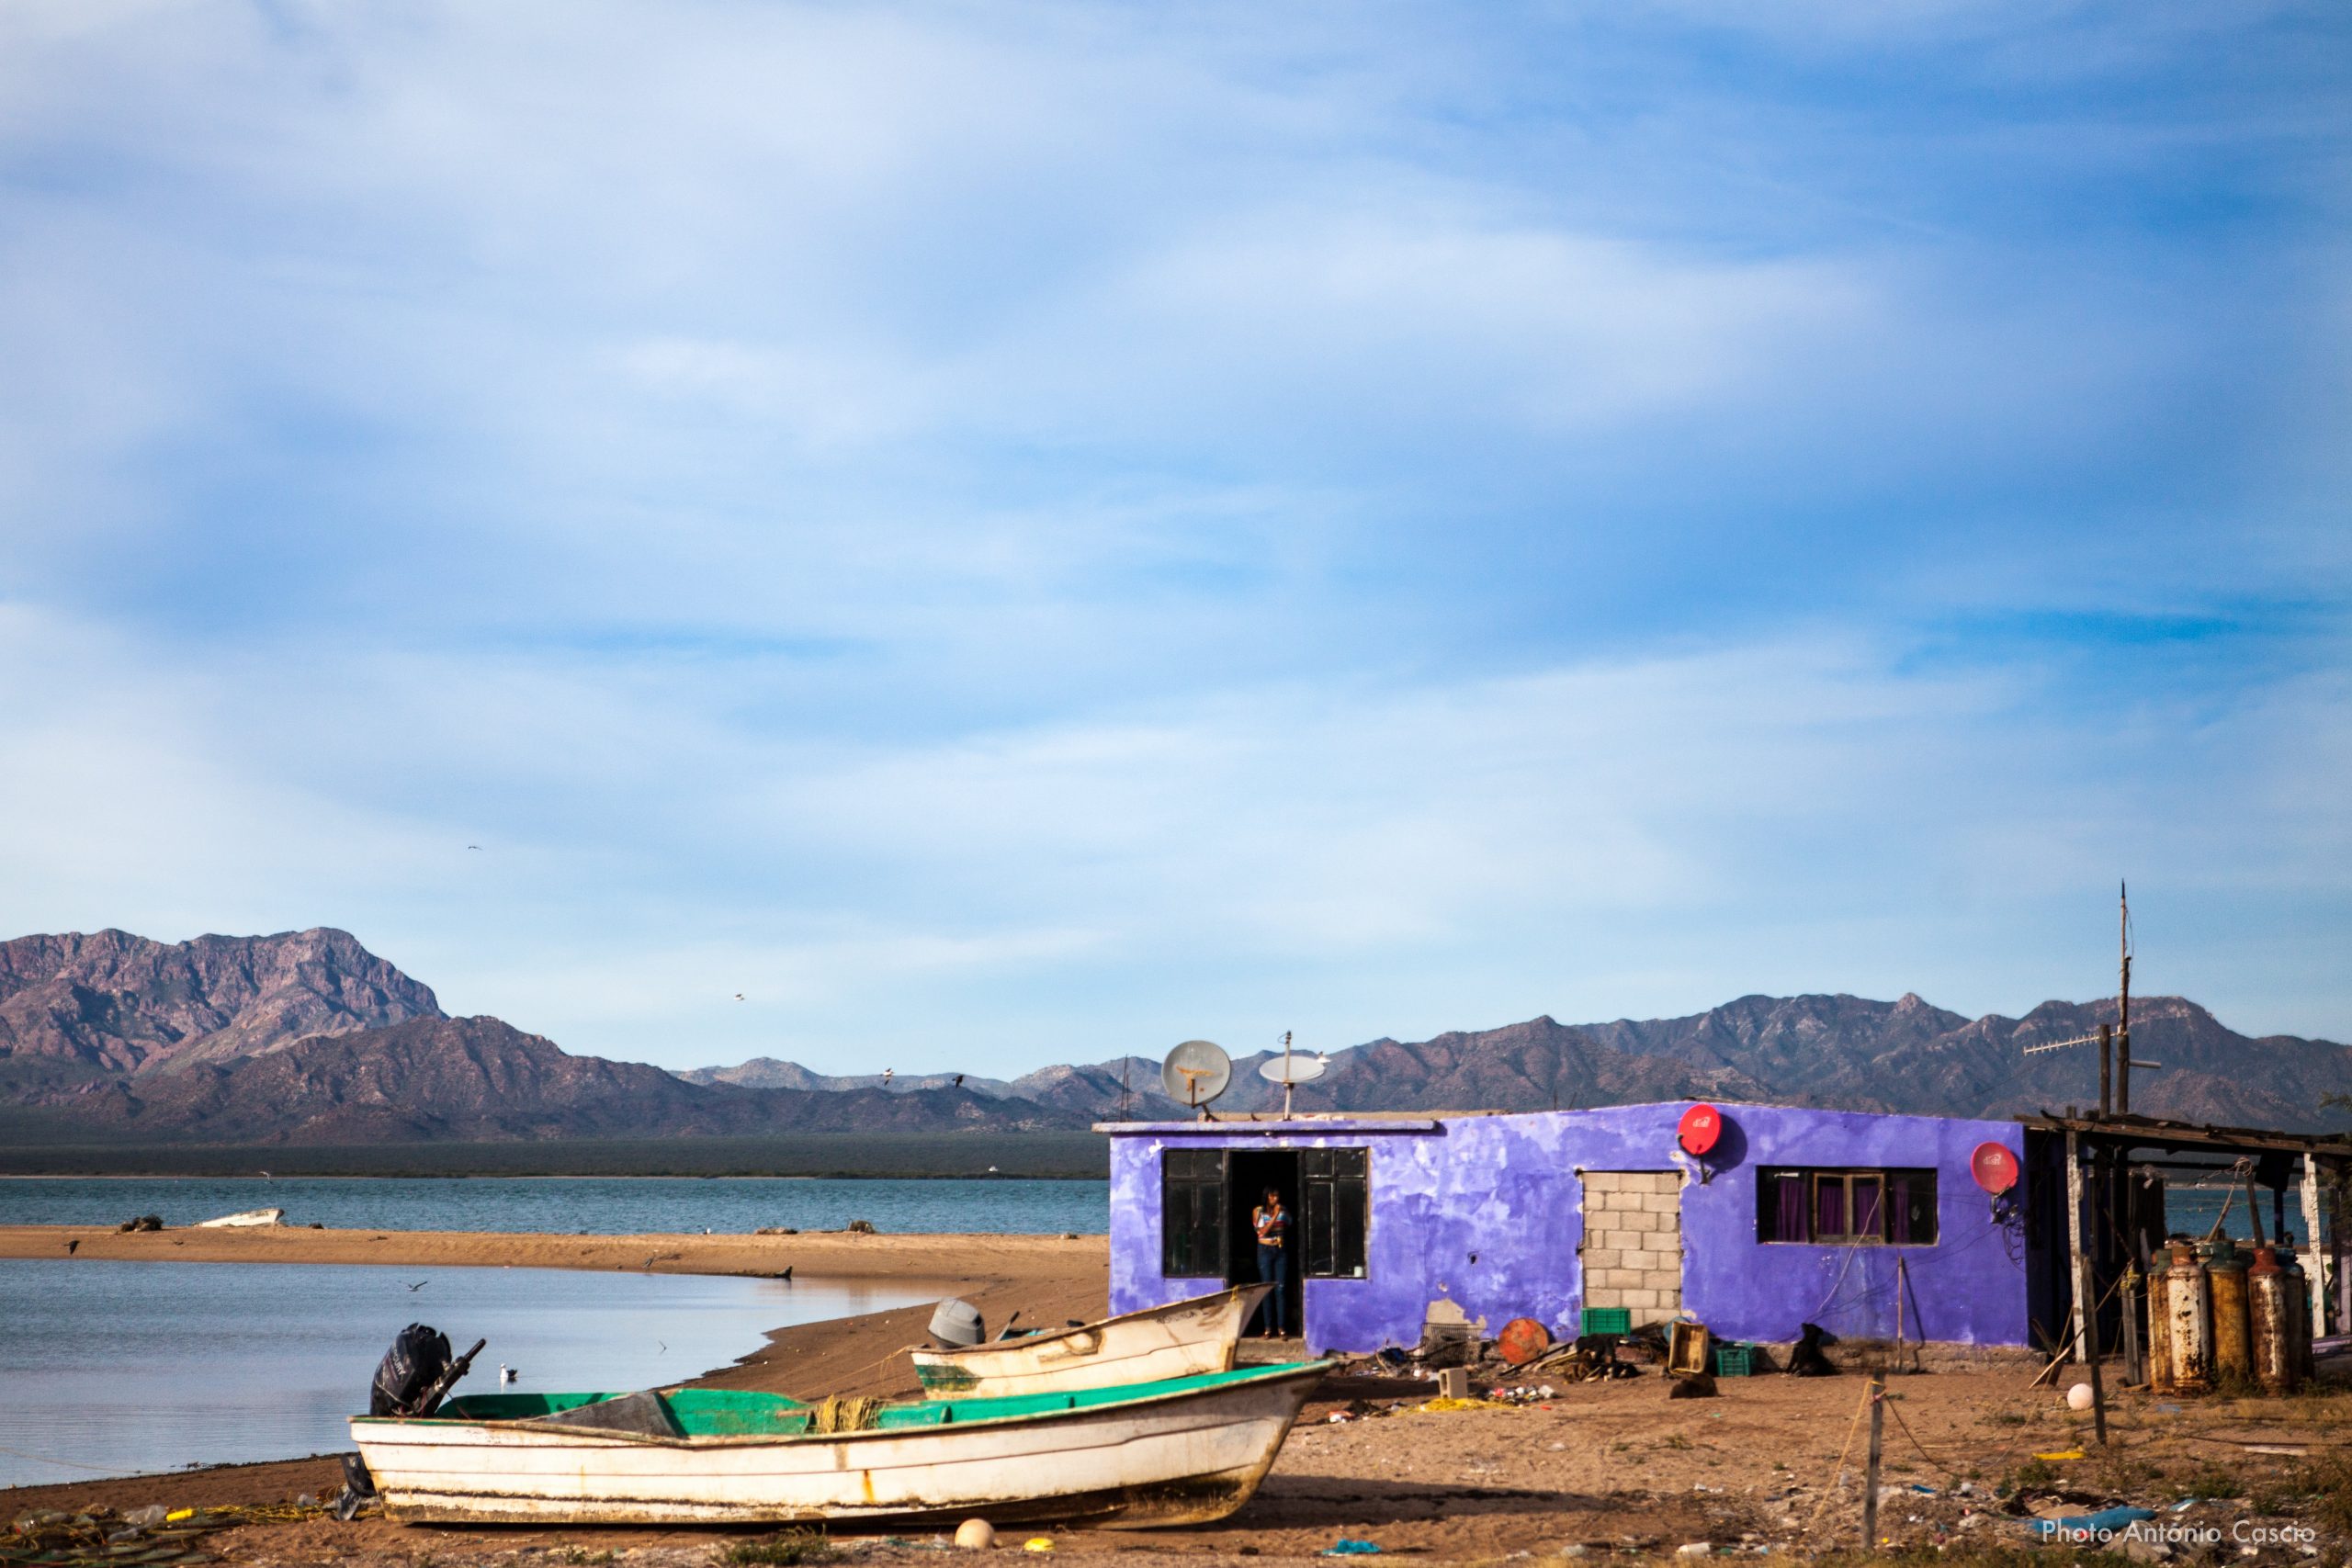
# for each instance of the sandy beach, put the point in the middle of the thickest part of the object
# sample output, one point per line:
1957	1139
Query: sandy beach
1612	1468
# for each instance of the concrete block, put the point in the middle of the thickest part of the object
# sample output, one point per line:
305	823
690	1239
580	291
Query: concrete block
1662	1203
1638	1297
1662	1278
1453	1382
1640	1220
1601	1181
1601	1258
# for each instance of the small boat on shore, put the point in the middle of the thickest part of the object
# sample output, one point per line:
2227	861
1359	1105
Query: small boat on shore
249	1219
1180	1340
1182	1451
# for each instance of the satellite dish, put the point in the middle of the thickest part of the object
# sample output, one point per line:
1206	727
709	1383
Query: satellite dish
1700	1129
1195	1073
1288	1070
1994	1168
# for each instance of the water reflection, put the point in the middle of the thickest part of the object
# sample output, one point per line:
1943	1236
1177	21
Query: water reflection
116	1369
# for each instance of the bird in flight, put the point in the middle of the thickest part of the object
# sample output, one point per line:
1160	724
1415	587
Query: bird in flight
739	996
473	846
888	1074
73	1246
959	1081
266	1173
419	1284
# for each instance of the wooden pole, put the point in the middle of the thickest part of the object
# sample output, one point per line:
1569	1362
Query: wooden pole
2077	1264
2123	1009
2106	1068
1870	1470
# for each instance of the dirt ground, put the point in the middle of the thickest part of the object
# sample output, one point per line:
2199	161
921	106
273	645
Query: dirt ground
1596	1469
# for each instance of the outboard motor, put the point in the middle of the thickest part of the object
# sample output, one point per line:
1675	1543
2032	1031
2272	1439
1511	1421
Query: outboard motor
409	1372
956	1326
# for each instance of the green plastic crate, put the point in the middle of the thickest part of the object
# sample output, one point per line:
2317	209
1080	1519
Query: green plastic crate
1733	1360
1608	1320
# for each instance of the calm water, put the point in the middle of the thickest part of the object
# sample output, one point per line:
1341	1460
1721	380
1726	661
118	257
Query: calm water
120	1369
604	1205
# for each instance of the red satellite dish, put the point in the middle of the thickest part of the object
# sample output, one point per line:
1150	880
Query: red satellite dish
1702	1125
1994	1168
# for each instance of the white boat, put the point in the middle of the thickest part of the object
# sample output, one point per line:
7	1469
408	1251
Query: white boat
1179	1340
1179	1452
249	1218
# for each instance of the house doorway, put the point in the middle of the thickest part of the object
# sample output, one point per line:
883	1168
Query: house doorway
1248	1174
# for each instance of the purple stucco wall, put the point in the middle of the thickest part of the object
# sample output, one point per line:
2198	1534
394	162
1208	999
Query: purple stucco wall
1486	1210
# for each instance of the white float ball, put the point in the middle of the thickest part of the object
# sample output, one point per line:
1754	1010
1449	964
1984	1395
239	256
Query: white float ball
976	1535
2079	1397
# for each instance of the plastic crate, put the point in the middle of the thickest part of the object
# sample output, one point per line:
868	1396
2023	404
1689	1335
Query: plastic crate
1733	1360
1608	1320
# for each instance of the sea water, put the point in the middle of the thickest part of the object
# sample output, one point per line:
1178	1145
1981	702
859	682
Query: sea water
568	1205
121	1369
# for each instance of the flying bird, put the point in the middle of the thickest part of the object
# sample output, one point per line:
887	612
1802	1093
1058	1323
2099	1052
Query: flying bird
419	1284
959	1081
739	996
664	1351
73	1246
272	1177
473	846
888	1074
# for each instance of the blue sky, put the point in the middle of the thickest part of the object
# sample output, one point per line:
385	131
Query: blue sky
1010	534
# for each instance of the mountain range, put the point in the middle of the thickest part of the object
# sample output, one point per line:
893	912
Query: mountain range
308	1037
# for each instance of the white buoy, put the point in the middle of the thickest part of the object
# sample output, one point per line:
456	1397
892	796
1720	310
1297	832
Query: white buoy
2079	1397
976	1535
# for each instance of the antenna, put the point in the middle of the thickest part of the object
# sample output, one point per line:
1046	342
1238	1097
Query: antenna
1291	1071
1196	1072
1126	1066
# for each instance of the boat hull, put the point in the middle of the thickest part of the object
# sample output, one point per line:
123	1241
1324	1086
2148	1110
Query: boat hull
1161	1460
1179	1340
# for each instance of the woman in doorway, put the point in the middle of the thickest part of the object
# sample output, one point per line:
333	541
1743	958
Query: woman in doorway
1271	1222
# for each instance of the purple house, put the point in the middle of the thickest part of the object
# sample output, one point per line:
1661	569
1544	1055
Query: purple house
1792	1217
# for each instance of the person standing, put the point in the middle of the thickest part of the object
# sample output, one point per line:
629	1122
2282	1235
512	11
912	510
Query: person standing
1271	1222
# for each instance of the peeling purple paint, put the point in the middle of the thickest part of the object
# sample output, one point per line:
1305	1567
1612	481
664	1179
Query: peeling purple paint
1506	1189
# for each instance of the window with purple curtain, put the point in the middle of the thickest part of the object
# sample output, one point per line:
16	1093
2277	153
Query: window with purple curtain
1790	1216
1828	1207
1869	1195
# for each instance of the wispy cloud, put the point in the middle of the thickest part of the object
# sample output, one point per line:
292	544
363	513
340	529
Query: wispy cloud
1035	528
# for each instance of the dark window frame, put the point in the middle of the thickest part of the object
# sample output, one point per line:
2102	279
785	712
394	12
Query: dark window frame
1850	1181
1335	1201
1192	1214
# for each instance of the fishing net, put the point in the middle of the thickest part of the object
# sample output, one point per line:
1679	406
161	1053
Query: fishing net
840	1413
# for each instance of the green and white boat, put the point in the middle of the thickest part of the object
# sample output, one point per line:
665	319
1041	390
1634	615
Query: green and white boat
1184	1450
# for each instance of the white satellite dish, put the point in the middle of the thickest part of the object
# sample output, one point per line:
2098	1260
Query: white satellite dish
1290	1071
1195	1073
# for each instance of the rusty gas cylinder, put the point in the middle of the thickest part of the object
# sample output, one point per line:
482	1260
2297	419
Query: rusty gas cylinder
2225	1279
2190	1334
2270	1315
2152	1286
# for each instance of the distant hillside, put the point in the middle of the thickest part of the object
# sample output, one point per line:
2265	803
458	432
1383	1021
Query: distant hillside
478	1078
309	1037
71	1006
1837	1052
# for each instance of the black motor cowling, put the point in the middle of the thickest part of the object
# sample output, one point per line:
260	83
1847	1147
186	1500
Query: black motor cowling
409	1370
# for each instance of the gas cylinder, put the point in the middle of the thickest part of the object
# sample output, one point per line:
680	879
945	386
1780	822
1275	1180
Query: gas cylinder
2271	1314
2189	1333
2225	1279
2299	1290
2152	1286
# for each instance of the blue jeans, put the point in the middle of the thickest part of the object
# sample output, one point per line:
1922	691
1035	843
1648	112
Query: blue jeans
1273	1264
